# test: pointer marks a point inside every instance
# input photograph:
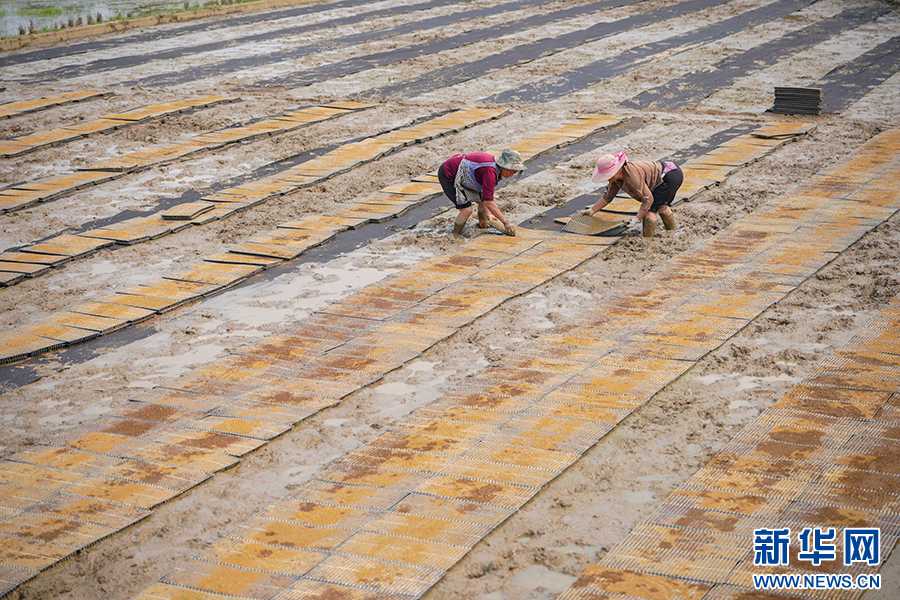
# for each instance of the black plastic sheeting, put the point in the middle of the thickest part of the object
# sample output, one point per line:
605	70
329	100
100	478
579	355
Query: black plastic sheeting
123	62
525	53
331	44
193	195
23	373
20	374
389	57
266	170
156	34
692	88
851	81
563	84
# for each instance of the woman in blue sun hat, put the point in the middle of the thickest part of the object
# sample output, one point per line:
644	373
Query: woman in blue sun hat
471	178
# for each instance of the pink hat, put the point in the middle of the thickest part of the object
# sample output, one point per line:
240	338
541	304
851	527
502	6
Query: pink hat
607	166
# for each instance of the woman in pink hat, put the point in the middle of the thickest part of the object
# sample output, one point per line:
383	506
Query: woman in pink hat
653	184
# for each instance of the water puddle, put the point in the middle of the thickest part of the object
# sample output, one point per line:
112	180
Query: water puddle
746	382
292	296
709	379
169	368
19	16
104	267
422	385
397	388
538	577
539	308
749	383
422	365
576	549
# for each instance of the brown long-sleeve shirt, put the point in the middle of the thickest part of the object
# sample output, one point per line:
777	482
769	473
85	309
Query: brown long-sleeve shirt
641	178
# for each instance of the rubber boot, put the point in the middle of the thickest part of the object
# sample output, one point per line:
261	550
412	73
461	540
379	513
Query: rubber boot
458	227
483	220
668	220
649	227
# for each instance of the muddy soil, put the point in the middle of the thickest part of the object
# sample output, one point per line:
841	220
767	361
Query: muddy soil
588	509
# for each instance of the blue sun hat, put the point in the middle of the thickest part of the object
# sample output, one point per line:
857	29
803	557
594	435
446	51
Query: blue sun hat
510	159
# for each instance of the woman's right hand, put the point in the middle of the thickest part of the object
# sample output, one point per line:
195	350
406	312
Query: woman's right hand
589	212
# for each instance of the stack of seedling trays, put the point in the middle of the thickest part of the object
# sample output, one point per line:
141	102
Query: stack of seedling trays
797	101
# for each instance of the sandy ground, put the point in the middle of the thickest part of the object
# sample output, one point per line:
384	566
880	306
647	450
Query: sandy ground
588	509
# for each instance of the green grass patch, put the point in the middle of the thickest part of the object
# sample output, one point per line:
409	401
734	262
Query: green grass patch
39	12
137	12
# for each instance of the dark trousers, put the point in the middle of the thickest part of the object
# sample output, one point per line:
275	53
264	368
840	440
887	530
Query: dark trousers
450	189
665	192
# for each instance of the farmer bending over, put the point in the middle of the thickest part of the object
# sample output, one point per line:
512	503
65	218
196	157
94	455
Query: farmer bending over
653	184
471	179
